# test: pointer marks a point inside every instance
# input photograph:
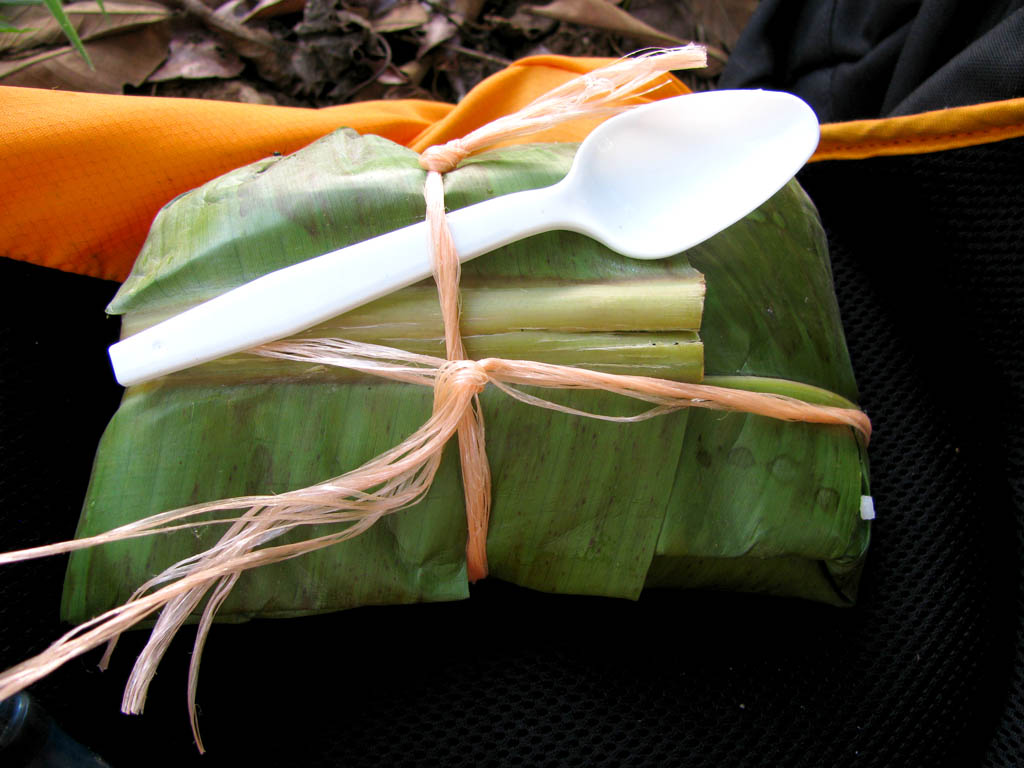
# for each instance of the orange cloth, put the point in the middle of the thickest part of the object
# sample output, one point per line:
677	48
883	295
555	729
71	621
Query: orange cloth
83	174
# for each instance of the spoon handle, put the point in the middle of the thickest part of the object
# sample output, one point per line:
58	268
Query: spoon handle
292	299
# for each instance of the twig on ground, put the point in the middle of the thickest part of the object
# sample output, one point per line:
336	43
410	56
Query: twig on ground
498	60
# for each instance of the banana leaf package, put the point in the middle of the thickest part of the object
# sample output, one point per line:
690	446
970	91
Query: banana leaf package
694	498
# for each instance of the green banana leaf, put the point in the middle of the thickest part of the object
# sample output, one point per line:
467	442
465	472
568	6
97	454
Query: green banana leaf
692	499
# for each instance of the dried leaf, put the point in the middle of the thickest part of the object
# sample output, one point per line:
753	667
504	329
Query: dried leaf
126	58
392	76
414	71
676	19
268	9
195	56
86	17
337	53
603	15
526	25
469	10
234	9
403	16
721	22
270	54
715	23
435	32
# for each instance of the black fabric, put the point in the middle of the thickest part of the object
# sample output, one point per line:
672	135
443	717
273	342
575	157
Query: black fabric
929	265
857	59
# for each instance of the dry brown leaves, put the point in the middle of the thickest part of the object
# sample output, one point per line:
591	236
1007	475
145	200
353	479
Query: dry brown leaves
320	52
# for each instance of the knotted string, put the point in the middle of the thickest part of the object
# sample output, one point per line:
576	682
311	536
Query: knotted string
605	91
400	477
476	472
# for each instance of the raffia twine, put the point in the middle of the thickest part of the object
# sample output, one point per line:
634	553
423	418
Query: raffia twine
400	477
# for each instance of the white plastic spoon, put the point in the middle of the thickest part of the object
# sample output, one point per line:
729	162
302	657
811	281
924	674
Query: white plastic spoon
648	183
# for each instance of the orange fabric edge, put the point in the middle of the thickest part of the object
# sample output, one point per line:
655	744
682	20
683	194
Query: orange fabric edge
934	131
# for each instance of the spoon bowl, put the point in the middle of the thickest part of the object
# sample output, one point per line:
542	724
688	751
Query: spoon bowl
666	176
648	183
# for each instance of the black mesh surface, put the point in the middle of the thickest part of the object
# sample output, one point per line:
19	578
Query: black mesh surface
925	671
928	253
